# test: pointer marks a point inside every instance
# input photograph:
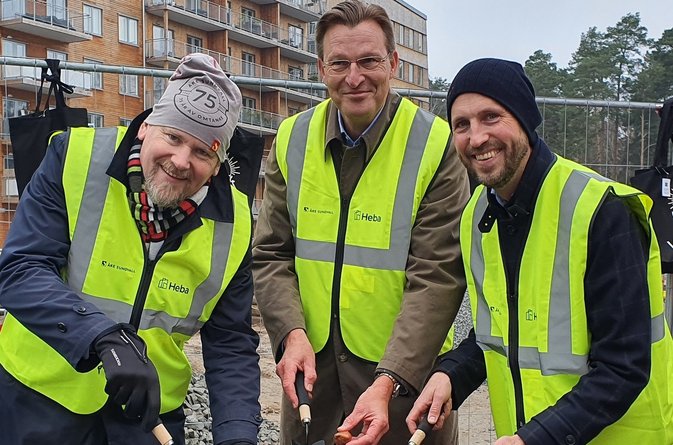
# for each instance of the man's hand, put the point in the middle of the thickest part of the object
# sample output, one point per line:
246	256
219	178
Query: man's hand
298	355
131	377
436	396
509	440
372	410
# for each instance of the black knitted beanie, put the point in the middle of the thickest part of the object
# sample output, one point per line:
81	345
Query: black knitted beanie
506	83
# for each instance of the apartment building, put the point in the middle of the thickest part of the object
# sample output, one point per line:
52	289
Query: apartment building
256	38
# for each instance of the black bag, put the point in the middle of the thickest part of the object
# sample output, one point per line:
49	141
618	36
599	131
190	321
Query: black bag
656	182
30	134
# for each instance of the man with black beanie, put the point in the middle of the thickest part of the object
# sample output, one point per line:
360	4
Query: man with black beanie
564	279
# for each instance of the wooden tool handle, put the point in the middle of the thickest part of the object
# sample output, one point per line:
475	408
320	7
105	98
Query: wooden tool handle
162	435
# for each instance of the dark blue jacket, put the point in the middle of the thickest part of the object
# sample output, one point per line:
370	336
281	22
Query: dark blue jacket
31	289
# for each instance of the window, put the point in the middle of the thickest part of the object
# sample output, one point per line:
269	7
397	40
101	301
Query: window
194	44
411	72
17	49
400	69
248	65
291	111
296	36
249	22
124	121
11	189
158	88
249	113
57	9
313	71
409	38
95	119
420	42
12	108
295	72
164	43
249	102
96	77
79	79
93	20
128	30
128	85
228	14
9	162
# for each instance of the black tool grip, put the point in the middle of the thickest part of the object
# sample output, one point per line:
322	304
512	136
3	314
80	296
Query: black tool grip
425	426
302	395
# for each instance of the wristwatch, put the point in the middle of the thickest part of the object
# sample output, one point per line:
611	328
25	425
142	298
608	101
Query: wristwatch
396	384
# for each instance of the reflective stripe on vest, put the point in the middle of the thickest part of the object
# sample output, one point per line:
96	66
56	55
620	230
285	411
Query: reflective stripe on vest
100	227
554	366
363	261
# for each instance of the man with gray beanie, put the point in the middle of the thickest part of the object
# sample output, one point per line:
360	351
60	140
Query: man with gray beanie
564	279
126	243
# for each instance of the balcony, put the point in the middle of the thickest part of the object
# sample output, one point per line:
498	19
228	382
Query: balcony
257	121
260	34
240	67
167	51
43	19
304	10
27	78
262	122
200	14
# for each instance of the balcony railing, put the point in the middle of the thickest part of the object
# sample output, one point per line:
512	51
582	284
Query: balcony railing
312	6
197	8
260	118
256	26
43	12
77	79
248	116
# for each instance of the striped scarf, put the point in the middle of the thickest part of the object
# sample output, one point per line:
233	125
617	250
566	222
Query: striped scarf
153	221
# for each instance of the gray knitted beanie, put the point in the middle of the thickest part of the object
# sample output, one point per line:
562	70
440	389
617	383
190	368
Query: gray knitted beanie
200	100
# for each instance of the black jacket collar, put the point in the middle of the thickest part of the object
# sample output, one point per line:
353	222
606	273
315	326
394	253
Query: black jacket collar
522	202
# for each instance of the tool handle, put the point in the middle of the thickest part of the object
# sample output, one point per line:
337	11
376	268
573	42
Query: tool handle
421	432
162	435
425	426
302	395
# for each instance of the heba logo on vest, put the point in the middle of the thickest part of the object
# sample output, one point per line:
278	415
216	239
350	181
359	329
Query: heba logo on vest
175	287
369	217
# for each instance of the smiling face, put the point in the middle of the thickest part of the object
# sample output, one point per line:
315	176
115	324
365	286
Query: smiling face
175	164
358	93
490	142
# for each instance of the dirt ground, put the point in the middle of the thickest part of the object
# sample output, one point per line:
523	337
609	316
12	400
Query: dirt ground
475	422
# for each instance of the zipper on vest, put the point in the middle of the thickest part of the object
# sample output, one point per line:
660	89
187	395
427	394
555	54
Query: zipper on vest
513	357
141	294
339	259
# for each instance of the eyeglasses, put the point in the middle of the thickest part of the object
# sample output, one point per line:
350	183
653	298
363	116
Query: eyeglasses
369	63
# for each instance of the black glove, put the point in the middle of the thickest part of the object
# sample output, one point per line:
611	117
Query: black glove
131	377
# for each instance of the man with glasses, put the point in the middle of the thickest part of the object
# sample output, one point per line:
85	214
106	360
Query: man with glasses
357	268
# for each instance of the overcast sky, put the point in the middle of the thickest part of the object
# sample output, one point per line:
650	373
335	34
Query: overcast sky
461	31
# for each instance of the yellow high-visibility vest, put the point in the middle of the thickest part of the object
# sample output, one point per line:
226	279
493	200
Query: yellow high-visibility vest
354	253
553	337
107	267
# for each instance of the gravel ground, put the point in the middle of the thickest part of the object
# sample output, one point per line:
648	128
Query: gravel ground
198	413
